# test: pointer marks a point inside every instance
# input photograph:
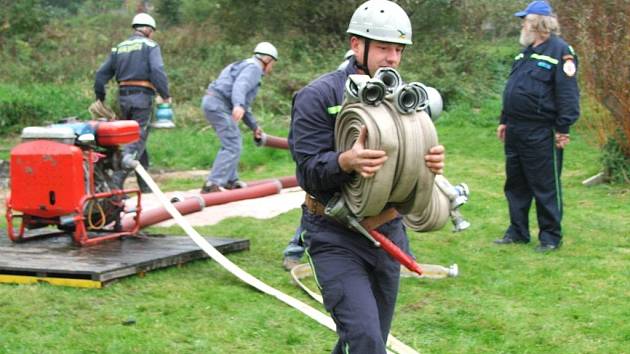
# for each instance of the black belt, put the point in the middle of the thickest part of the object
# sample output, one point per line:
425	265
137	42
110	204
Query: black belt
133	90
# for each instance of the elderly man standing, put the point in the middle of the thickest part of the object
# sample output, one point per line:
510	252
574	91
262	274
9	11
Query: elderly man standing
139	70
359	282
227	101
540	103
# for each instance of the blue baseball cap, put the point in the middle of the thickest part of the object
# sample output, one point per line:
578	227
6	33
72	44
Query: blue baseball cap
537	7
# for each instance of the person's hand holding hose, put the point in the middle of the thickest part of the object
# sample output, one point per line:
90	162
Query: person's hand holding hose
364	161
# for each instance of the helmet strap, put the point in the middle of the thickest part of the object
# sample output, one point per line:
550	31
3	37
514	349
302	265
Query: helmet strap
366	49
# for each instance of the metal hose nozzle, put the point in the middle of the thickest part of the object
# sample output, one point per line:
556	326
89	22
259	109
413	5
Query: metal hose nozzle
424	95
406	98
390	77
372	92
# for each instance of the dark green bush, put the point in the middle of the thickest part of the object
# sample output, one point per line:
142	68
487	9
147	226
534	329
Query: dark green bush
21	19
39	104
616	164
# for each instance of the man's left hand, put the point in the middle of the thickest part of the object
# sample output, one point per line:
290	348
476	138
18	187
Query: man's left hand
562	140
435	159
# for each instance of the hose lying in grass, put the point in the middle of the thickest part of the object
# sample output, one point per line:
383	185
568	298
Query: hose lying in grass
394	345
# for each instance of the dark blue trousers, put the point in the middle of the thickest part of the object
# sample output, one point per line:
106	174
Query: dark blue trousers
138	107
359	282
533	166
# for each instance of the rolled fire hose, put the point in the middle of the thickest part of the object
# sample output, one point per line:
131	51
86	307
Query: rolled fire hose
311	312
404	181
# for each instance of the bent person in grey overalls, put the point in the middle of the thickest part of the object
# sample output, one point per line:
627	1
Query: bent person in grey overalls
227	101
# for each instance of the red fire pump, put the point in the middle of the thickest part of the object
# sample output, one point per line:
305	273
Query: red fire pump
61	175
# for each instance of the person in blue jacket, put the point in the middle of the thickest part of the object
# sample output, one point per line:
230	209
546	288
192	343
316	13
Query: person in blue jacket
294	250
359	282
227	101
139	70
540	103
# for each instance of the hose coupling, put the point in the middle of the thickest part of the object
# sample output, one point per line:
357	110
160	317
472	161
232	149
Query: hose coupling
390	77
361	88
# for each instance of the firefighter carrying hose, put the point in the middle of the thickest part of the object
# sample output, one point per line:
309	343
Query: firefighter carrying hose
359	282
139	70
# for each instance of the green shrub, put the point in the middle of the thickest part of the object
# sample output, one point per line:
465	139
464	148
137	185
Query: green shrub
21	19
22	106
616	164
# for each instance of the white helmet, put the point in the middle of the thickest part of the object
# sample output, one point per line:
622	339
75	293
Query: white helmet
381	20
143	19
266	48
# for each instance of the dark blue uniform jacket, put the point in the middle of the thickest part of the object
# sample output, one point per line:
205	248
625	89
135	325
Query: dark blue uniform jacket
137	58
311	138
539	89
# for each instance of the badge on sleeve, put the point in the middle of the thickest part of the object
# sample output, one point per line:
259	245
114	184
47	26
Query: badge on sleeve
569	68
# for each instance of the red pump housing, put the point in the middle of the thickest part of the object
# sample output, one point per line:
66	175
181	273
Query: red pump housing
47	178
57	182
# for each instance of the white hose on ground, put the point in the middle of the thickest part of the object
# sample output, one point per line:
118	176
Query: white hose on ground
311	312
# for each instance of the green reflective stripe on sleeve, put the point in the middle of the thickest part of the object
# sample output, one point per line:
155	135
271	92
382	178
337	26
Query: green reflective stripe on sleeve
571	50
519	57
114	49
333	110
545	58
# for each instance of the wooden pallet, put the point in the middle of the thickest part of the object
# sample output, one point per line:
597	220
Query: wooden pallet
54	259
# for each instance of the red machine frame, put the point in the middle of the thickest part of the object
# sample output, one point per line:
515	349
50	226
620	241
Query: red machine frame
81	235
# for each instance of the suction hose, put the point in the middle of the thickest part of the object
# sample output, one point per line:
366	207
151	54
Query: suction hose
255	189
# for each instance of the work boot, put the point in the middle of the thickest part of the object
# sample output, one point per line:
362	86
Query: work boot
546	248
210	187
508	240
237	184
290	262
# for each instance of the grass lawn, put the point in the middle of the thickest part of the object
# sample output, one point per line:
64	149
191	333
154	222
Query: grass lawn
508	299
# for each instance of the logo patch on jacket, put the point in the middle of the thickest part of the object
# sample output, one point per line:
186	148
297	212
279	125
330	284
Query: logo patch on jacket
569	68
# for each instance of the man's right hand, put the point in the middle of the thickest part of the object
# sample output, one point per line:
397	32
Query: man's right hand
237	113
359	159
501	132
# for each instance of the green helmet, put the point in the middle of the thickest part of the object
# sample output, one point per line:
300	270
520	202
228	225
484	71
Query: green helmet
381	20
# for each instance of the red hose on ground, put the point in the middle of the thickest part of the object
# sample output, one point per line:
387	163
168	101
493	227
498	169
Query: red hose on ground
255	189
286	182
